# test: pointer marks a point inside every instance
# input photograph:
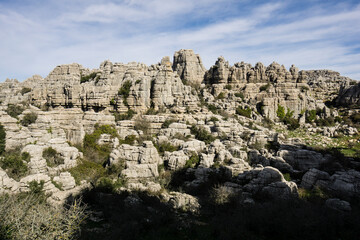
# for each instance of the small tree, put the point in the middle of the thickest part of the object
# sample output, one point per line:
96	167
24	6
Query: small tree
28	119
280	112
2	139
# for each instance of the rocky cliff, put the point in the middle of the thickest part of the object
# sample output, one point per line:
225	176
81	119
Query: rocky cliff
179	131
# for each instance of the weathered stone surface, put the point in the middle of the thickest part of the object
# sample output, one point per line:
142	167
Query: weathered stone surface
345	184
337	204
176	160
349	95
183	201
189	66
303	159
140	162
7	184
312	176
65	180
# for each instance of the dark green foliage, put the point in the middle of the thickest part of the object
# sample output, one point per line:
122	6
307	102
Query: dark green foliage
2	139
142	125
13	162
165	147
52	157
291	123
94	151
220	96
167	123
89	77
37	189
202	134
310	116
228	87
124	91
240	95
212	108
14	110
28	119
126	116
151	111
214	119
130	139
107	185
246	112
355	118
87	170
265	87
280	112
25	90
325	122
193	161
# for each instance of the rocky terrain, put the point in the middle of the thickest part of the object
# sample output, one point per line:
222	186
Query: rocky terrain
175	138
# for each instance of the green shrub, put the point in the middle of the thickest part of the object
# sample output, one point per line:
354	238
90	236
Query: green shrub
228	87
142	125
325	122
214	119
287	177
167	123
165	147
291	123
355	118
280	112
310	116
246	112
37	189
212	108
124	91
240	95
14	164
87	170
193	161
202	134
25	90
28	119
52	157
2	139
265	87
92	150
130	139
26	217
126	116
151	111
220	96
89	77
106	184
14	110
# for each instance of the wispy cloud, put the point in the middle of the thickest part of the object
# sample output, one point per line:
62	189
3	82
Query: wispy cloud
42	34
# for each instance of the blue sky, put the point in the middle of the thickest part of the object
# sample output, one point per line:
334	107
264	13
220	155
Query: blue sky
36	35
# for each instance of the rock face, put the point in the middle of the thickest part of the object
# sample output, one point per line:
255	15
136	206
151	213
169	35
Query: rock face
349	95
140	162
189	66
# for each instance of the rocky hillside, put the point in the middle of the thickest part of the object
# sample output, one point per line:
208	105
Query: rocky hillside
177	136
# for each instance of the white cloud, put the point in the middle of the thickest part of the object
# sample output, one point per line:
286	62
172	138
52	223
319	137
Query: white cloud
145	31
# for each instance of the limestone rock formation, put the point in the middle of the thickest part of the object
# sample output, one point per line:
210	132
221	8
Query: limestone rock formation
189	66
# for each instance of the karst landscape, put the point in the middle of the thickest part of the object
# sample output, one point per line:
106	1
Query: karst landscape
178	151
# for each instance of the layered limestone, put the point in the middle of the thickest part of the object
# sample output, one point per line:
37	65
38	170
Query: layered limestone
189	66
349	95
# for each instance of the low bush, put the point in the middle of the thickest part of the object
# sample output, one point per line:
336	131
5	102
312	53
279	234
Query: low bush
108	185
13	163
310	116
125	116
202	134
2	139
265	87
280	112
28	119
52	157
193	161
130	139
220	96
228	87
165	147
212	108
25	90
167	123
240	95
221	194
124	91
87	170
246	112
89	77
14	110
27	217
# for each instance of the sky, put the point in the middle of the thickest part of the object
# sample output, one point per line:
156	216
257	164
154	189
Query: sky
37	35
